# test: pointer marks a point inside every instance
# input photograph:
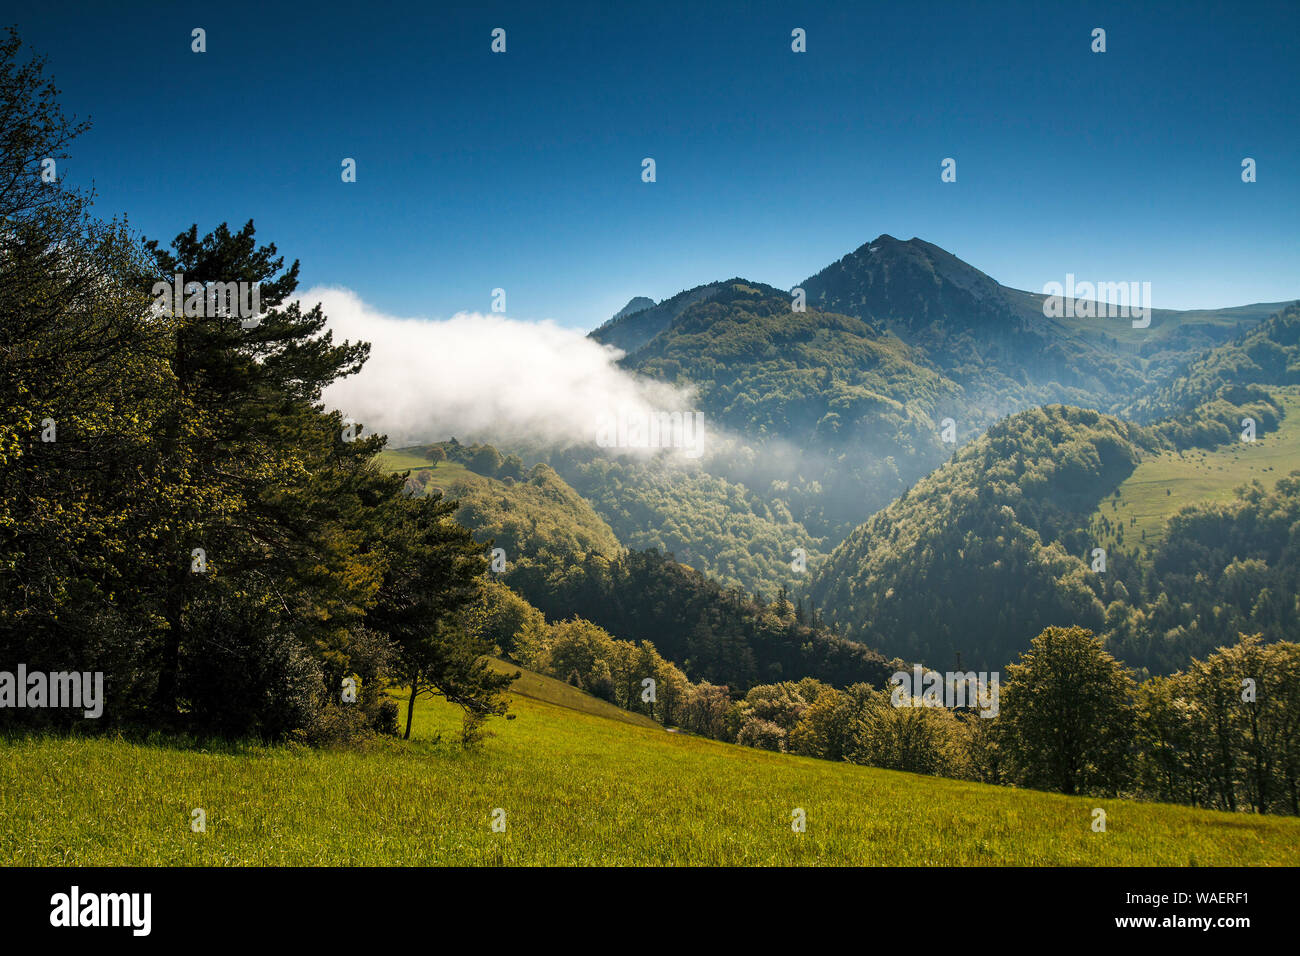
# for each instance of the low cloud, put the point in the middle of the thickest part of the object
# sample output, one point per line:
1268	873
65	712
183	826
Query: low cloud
481	377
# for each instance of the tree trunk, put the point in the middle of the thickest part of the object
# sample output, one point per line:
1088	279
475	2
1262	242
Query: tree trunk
410	710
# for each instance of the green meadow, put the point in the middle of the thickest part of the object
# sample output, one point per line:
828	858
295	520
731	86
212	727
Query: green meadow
579	783
446	471
392	460
1164	483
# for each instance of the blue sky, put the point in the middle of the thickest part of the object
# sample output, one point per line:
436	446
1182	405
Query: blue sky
523	170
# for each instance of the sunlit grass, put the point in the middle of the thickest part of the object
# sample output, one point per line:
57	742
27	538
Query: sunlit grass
577	788
1162	484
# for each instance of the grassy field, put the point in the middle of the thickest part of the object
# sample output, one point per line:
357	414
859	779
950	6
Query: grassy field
1162	484
391	460
447	471
577	787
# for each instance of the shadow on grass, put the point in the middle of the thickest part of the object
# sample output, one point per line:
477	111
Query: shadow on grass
182	742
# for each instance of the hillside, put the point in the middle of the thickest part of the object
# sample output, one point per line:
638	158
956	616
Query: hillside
1000	542
830	418
985	552
530	517
548	690
830	414
1172	333
997	341
1267	355
739	536
994	341
1167	481
1222	568
574	789
630	331
716	635
565	561
764	370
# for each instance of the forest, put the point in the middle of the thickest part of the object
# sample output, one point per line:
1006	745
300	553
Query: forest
179	510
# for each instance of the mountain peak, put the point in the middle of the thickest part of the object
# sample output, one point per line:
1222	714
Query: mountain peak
634	304
636	324
910	284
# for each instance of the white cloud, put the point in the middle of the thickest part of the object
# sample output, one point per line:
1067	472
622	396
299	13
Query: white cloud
480	377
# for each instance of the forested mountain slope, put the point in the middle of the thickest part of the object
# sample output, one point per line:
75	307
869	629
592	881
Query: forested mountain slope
989	549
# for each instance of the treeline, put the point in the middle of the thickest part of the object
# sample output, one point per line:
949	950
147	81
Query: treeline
479	458
564	560
630	675
715	634
177	509
785	716
996	545
1204	405
988	550
1218	420
1221	569
1223	734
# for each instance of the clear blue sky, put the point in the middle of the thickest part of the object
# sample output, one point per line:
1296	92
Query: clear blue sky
523	170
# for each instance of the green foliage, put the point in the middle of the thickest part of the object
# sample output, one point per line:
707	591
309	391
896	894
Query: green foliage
835	408
1225	732
814	395
1221	734
709	711
1225	381
716	635
1167	481
1066	715
827	726
782	704
432	575
505	621
536	517
764	369
917	739
1222	569
631	677
762	734
643	796
178	509
737	536
983	554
